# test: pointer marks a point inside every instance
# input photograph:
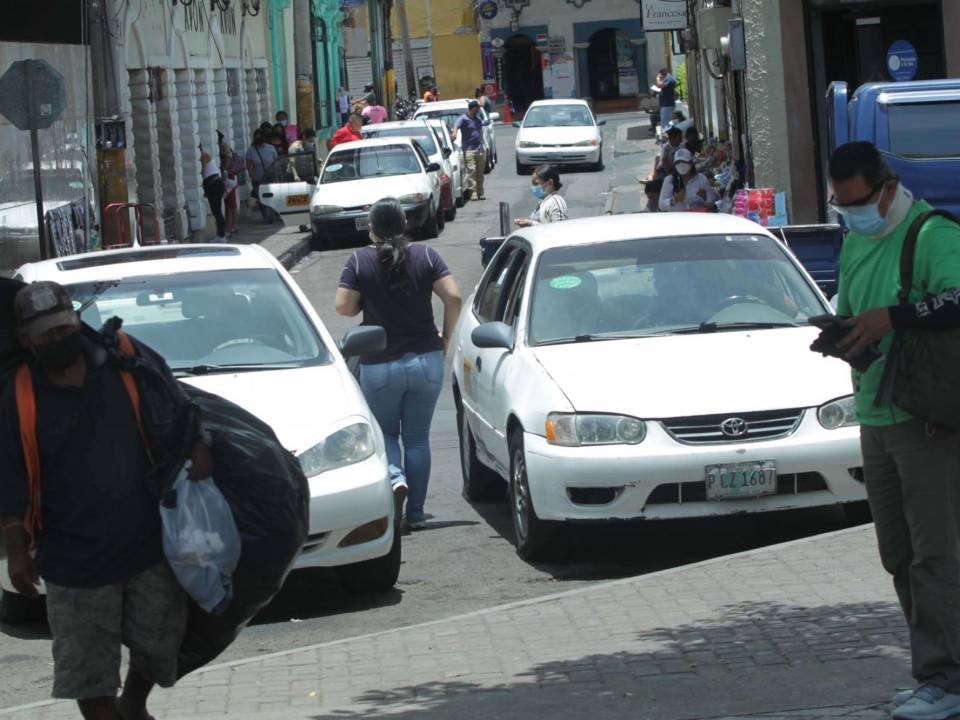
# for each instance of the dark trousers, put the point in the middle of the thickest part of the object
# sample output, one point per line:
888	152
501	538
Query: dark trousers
912	474
214	189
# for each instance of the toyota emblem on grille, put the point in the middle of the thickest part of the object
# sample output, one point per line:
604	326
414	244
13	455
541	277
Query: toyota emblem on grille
734	427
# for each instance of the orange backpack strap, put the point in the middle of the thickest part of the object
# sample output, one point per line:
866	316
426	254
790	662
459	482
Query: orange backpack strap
127	350
27	411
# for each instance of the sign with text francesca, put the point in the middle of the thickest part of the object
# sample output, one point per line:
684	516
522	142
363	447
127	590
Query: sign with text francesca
664	14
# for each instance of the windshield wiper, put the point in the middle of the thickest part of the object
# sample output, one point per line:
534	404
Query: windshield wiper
208	369
594	338
710	327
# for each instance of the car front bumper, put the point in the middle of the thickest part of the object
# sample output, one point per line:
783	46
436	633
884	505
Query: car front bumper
662	479
558	155
344	224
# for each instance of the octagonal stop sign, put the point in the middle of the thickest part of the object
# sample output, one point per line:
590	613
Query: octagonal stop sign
32	94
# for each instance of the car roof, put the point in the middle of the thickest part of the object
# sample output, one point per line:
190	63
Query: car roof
636	226
374	142
444	105
395	124
151	260
568	101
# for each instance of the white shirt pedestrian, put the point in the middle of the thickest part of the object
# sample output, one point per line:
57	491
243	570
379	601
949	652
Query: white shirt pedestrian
697	194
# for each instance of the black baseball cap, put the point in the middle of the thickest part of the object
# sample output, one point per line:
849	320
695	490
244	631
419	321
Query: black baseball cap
42	306
473	104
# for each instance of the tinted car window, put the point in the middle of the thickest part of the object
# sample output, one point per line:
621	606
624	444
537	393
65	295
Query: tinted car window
925	130
423	136
558	116
379	161
489	303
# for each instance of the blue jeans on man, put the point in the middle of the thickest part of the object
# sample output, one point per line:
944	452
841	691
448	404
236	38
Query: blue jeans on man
402	394
666	116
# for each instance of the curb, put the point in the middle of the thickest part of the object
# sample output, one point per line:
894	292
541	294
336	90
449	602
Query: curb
498	608
292	255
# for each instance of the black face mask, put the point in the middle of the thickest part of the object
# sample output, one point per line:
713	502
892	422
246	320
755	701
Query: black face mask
61	353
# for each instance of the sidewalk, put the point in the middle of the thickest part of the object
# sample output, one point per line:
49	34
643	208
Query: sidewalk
808	629
634	150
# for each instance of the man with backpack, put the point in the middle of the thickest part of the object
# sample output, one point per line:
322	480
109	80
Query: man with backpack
79	486
900	283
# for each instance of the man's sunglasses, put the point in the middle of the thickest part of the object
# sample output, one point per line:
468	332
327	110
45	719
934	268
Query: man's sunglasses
836	205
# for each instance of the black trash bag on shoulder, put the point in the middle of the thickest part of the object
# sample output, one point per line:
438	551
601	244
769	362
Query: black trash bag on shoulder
270	499
12	352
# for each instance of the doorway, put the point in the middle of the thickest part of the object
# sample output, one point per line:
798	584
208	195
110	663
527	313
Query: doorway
604	68
523	71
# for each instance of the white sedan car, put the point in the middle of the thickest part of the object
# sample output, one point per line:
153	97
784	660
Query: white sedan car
559	132
431	144
230	320
450	110
357	174
649	367
457	159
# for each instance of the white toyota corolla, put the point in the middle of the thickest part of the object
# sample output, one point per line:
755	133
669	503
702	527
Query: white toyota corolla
649	367
230	320
559	132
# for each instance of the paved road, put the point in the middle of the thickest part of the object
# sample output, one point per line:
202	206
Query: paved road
464	560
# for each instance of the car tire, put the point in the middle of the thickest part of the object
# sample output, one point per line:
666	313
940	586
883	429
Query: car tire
318	241
480	483
462	199
451	214
534	537
431	227
377	575
522	169
16	608
488	165
441	218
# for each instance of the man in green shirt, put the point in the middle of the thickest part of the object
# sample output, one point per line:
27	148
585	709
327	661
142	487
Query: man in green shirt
911	468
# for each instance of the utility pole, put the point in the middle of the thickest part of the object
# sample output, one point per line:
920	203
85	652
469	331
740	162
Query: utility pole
303	63
377	34
407	52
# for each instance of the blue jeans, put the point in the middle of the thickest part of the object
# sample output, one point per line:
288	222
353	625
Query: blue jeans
666	115
402	395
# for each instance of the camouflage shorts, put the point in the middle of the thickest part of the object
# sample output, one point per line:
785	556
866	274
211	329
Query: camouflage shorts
148	614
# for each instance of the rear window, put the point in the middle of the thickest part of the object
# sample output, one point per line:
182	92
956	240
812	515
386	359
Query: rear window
925	130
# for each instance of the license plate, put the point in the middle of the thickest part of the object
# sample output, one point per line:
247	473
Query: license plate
740	480
363	223
297	200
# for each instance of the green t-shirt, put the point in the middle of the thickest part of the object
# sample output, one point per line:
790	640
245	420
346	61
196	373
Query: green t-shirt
870	278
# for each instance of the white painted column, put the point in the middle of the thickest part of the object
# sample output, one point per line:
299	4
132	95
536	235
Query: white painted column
171	169
189	158
143	121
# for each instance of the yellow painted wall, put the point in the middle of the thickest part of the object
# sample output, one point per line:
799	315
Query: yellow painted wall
436	17
456	58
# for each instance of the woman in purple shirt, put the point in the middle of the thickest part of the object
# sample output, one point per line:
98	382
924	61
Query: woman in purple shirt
392	282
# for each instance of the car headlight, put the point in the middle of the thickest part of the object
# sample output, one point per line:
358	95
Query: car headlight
588	143
325	209
412	198
528	144
838	413
346	446
576	429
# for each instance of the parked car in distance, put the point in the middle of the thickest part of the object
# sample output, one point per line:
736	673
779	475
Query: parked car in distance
450	110
228	319
288	184
357	174
425	136
649	367
559	132
457	160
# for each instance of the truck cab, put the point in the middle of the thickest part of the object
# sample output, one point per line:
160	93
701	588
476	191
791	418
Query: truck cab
916	125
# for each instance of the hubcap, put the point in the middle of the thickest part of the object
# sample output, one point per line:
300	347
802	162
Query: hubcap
521	497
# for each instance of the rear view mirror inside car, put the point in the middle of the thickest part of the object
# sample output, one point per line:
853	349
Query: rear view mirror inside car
155	298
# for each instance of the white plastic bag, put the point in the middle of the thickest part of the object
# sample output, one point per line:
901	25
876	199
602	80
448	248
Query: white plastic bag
200	540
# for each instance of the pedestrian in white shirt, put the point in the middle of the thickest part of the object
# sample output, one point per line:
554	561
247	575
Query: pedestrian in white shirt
685	189
545	186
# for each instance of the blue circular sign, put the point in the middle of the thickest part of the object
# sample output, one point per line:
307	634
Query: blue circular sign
488	9
902	61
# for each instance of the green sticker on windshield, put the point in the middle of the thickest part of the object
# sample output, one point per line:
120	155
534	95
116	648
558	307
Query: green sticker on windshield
565	282
77	304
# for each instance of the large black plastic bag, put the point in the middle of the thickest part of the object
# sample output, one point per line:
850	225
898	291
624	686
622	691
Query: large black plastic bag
270	499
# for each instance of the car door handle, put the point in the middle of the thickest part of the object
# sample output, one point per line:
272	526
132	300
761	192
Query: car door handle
266	194
479	364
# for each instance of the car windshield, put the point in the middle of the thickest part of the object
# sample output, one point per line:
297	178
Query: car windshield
449	117
423	136
367	162
558	116
245	318
664	285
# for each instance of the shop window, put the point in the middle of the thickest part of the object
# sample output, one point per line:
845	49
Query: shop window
917	130
261	82
233	82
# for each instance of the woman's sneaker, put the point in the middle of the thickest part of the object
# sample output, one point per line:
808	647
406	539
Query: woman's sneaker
929	702
902	696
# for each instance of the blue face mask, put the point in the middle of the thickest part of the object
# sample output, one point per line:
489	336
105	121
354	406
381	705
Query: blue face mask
865	220
538	191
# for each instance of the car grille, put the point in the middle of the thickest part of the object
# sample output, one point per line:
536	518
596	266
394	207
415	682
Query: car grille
788	484
558	157
764	425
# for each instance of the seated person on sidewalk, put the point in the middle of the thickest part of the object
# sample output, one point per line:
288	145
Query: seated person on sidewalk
663	163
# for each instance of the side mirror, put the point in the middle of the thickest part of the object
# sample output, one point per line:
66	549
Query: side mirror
363	340
601	122
493	335
516	123
494	117
447	152
433	167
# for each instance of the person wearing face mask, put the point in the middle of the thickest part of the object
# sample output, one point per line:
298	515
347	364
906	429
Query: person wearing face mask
289	130
260	156
79	488
685	189
551	207
303	155
911	468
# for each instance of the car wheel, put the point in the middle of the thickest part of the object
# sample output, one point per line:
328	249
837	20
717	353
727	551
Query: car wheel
461	199
318	241
451	214
441	218
488	165
480	483
522	169
534	536
16	608
431	227
377	575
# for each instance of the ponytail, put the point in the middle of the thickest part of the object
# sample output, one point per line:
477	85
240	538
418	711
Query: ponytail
388	222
